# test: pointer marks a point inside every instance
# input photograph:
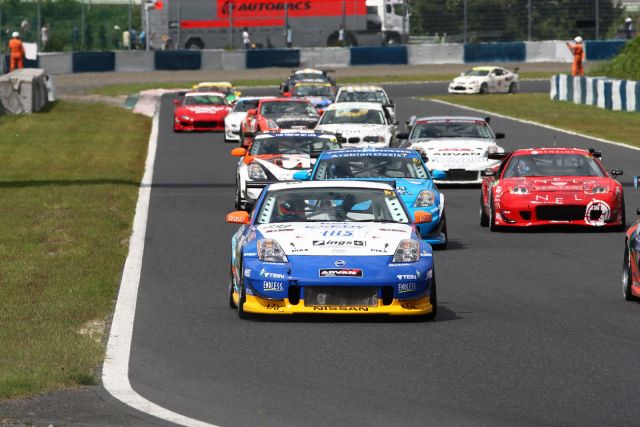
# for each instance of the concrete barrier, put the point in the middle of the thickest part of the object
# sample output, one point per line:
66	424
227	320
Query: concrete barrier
325	57
395	55
610	94
56	63
447	53
263	58
93	61
212	59
495	52
178	59
600	50
232	60
135	60
547	51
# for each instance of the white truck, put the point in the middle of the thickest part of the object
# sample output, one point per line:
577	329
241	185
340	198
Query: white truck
210	24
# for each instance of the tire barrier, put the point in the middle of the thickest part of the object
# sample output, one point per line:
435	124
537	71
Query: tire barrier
495	52
601	50
173	60
24	91
83	62
393	55
263	58
610	94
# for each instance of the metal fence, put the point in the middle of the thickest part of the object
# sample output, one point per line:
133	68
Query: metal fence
517	20
65	25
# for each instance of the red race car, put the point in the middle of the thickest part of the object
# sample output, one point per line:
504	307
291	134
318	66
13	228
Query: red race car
200	111
277	113
631	265
551	186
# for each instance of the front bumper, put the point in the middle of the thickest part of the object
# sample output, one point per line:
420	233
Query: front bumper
463	88
198	126
231	135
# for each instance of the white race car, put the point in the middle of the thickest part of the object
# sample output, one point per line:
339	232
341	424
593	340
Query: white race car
234	118
486	80
366	93
359	124
458	145
276	156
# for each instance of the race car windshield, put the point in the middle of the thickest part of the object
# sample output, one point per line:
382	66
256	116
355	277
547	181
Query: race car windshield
331	204
205	100
352	116
451	129
292	145
222	89
284	108
371	167
362	96
308	76
552	165
477	73
312	91
243	106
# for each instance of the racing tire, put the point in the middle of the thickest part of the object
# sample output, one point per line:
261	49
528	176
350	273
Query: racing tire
238	202
243	297
430	317
232	303
623	223
492	217
513	87
484	219
443	230
484	89
627	277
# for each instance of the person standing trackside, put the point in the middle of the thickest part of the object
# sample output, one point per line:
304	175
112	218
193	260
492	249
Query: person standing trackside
16	52
628	27
341	36
578	56
44	37
288	35
246	40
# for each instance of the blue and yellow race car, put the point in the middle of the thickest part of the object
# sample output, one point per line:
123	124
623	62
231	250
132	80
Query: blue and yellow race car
331	247
413	181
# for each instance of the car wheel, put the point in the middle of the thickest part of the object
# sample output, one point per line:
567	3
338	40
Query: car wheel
623	223
627	277
243	297
513	87
232	303
443	230
239	204
484	219
434	301
484	89
492	217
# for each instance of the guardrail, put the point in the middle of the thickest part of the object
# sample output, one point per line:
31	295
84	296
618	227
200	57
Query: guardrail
445	53
610	94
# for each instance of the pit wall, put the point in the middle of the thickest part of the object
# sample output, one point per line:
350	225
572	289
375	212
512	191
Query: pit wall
332	57
616	95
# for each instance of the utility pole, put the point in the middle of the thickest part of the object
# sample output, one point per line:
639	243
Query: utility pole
82	25
404	22
466	25
286	21
230	29
130	21
529	19
344	18
38	26
597	20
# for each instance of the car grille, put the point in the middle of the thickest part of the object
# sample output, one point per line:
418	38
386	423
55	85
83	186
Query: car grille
206	124
459	88
289	124
461	175
560	213
340	296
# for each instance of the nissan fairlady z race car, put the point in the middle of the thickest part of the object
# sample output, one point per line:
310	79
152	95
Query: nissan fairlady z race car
339	247
359	124
276	156
457	145
404	168
200	111
551	186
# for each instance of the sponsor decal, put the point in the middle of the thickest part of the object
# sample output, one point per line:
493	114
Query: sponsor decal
262	6
407	277
340	308
340	263
251	254
389	192
394	230
339	243
247	272
272	286
333	225
341	272
337	233
275	307
409	306
597	213
407	287
268	275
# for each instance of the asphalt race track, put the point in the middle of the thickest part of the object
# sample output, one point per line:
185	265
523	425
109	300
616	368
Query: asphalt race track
532	327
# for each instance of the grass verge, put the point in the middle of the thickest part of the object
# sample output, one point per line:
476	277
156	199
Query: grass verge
69	185
129	88
613	125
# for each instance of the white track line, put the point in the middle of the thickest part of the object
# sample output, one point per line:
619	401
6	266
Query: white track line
115	371
529	122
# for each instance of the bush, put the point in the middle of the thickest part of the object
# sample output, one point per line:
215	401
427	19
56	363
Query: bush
626	65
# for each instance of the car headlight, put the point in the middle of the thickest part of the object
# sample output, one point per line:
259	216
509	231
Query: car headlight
599	190
186	118
520	189
270	251
256	172
492	149
425	198
376	138
272	124
407	251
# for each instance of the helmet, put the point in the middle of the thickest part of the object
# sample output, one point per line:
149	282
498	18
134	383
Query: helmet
15	34
578	39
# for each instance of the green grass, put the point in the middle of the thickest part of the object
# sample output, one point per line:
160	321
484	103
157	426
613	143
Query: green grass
68	189
613	125
625	65
130	88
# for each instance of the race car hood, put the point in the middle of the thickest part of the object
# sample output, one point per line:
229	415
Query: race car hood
337	238
359	130
235	118
293	121
458	151
539	184
319	101
283	166
409	189
202	110
469	79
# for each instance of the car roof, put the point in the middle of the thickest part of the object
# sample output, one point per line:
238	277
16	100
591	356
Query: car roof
313	83
331	184
551	150
308	71
360	105
203	84
361	88
362	152
450	118
484	68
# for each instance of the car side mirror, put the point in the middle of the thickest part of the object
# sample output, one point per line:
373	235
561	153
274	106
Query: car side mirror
487	172
302	176
637	211
176	101
422	217
616	172
500	135
402	135
252	112
287	94
238	152
182	93
438	174
238	217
